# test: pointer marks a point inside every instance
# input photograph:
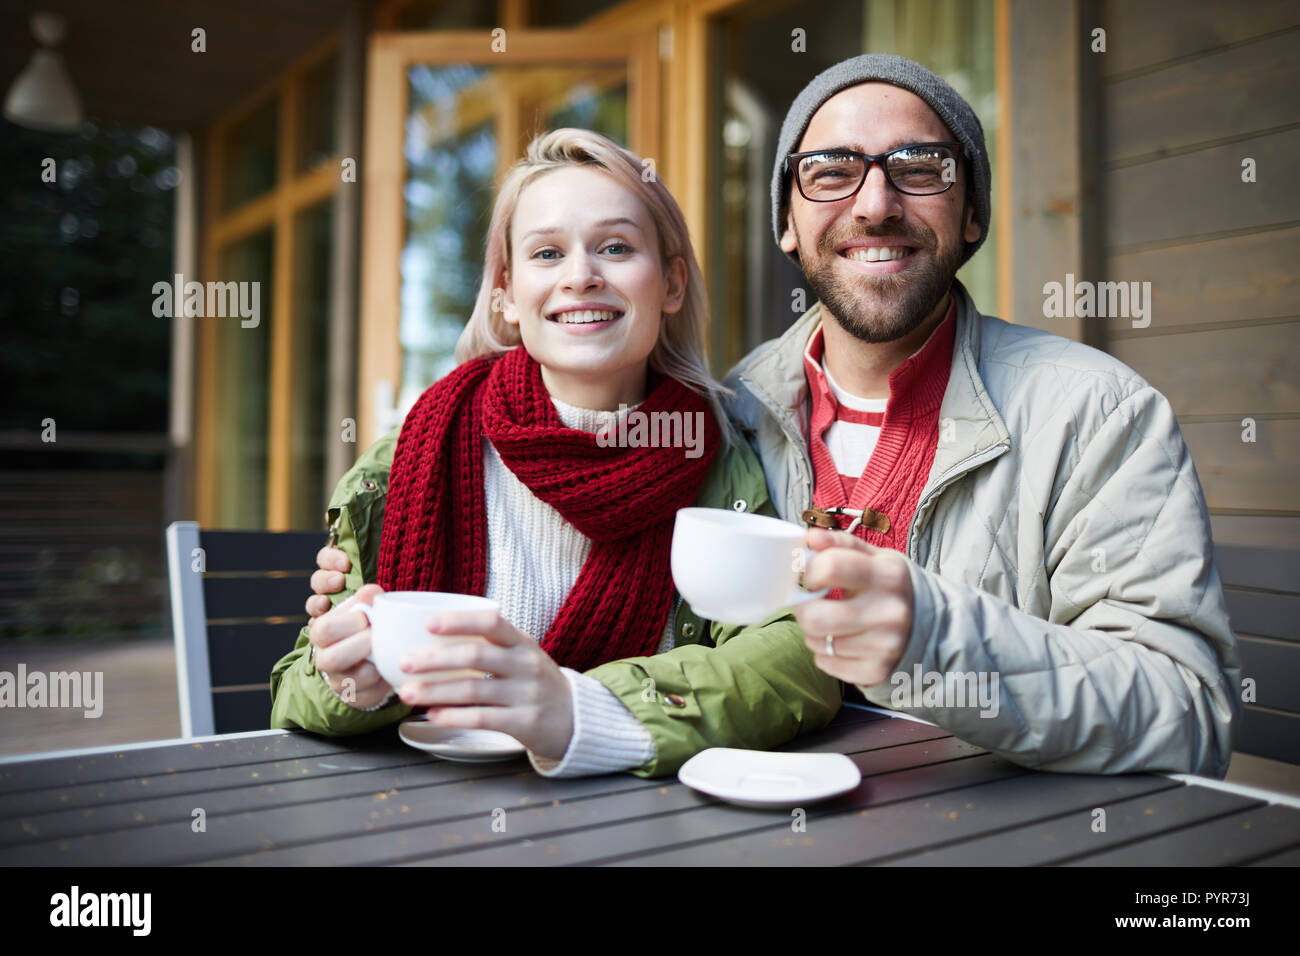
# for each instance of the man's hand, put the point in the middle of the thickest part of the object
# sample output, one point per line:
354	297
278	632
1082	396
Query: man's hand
341	639
528	699
333	564
872	623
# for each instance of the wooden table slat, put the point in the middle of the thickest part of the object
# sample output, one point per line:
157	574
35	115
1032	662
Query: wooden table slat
188	781
178	755
297	782
1226	841
1289	857
1166	805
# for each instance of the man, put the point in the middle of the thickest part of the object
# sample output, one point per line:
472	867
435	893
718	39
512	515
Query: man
1024	514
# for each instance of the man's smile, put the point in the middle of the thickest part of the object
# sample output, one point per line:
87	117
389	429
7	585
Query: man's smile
877	257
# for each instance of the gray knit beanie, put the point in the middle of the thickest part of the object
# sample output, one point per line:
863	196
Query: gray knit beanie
898	71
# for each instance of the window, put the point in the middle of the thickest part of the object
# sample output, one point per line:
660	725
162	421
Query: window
453	154
263	388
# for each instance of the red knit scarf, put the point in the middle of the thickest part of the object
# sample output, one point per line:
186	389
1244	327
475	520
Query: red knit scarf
435	535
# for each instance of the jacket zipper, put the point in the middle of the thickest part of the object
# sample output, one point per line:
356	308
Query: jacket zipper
951	475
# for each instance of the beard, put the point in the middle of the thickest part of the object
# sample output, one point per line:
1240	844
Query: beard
882	308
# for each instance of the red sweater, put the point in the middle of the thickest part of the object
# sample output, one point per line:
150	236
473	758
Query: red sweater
899	466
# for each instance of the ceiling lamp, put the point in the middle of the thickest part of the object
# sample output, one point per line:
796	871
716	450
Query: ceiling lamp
43	97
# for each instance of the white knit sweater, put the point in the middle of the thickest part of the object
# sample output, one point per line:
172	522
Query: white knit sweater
534	558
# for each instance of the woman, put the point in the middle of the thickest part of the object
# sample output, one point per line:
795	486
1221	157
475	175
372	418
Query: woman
502	483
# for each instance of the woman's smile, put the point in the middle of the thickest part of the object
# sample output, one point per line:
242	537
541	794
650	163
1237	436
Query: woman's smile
585	318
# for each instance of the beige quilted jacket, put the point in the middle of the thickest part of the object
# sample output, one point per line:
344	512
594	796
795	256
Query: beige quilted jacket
1061	544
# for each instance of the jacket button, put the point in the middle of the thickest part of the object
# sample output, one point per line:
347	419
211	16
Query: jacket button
739	505
688	629
369	484
677	700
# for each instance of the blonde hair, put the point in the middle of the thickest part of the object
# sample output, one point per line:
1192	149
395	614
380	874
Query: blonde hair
681	351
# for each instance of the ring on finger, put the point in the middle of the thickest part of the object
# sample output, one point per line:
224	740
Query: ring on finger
830	645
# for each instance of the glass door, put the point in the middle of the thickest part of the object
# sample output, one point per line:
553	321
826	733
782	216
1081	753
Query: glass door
447	114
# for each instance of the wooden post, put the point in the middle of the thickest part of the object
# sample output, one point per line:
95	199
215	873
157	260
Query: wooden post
179	496
345	256
1046	188
280	428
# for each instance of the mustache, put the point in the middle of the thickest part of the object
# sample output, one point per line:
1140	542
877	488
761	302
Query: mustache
832	239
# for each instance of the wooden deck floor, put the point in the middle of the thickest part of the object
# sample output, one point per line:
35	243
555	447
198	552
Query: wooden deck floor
139	690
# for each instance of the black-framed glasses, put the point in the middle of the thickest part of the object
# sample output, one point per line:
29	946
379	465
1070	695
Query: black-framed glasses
917	169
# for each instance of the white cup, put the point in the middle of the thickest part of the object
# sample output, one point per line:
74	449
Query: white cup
399	624
738	568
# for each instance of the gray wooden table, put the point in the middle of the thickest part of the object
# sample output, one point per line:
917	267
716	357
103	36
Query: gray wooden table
276	798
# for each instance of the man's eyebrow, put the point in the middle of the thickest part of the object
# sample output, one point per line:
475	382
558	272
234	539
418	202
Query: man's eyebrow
858	148
551	230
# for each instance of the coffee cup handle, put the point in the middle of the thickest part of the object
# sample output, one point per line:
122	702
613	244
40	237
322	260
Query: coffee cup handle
799	596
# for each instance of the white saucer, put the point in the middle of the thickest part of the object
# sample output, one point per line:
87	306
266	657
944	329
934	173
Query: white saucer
465	746
758	778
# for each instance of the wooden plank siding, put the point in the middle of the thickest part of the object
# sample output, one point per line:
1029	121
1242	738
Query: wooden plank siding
1148	35
1216	283
1267	531
1226	94
1247	368
1200	192
1190	89
1258	477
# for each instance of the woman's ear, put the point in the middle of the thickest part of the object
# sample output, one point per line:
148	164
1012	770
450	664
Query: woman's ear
506	298
675	275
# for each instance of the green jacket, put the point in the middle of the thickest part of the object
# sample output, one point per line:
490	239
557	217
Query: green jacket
720	686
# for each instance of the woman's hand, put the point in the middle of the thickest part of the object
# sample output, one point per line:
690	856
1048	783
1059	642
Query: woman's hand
527	699
341	639
332	564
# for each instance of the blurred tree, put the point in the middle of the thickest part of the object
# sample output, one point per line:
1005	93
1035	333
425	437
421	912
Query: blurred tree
78	259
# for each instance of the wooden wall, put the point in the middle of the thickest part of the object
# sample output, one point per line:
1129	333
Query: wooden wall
1188	89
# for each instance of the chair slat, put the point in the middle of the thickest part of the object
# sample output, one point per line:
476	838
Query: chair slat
256	597
245	653
1266	733
262	550
1275	668
242	710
